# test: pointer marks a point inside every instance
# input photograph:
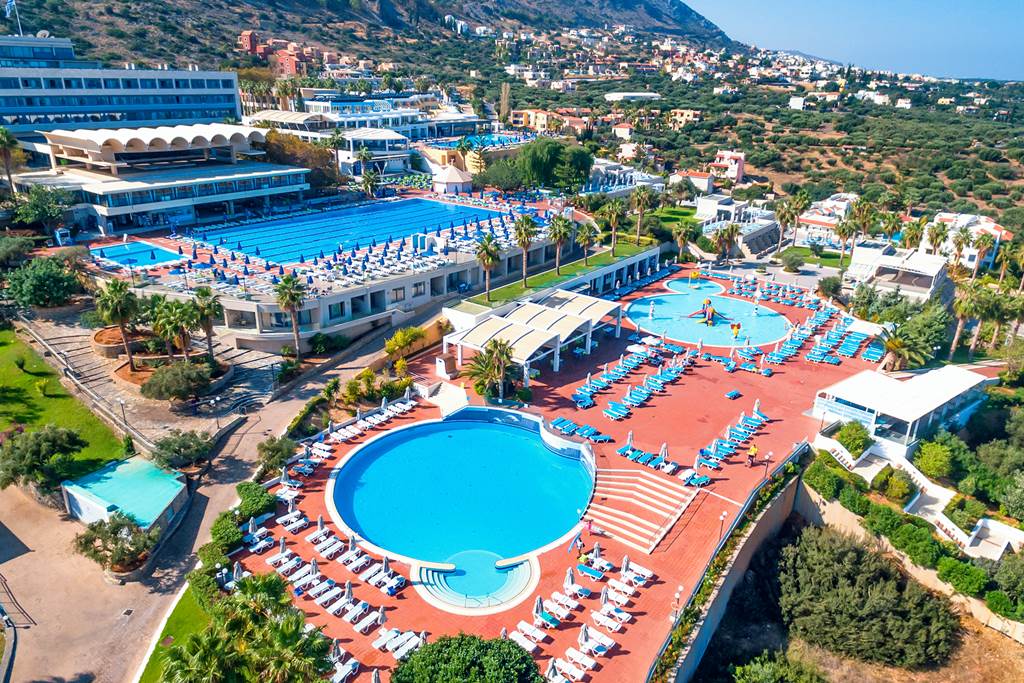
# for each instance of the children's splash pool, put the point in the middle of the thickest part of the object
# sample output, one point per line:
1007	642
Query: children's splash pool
678	316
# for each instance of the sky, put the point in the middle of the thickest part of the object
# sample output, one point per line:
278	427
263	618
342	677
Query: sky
957	38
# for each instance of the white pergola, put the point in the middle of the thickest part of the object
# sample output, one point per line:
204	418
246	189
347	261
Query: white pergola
526	341
566	325
584	306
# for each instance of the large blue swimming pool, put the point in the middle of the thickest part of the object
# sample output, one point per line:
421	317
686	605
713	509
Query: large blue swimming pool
287	239
135	253
462	492
672	316
484	140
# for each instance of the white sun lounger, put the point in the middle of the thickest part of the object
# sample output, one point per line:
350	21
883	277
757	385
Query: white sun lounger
565	601
286	495
319	589
350	556
355	611
399	640
359	563
618	598
325	543
332	549
329	596
372	571
601	564
393	583
318	535
622	587
340	606
343	672
577	590
603	639
381	578
531	632
621	616
306	580
280	557
298	525
364	425
366	622
300	572
604	620
290	565
383	636
523	641
642	571
556	609
580	659
261	545
566	669
289	518
409	645
260	533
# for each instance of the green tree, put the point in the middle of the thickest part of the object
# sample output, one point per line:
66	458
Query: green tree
208	309
902	349
776	668
46	206
117	305
983	244
274	451
205	657
42	282
181	381
524	232
642	199
538	160
937	234
15	250
1013	496
489	369
42	457
9	152
365	157
370	181
559	232
585	236
934	459
786	215
966	306
181	448
613	214
117	543
468	659
290	295
845	231
488	255
725	238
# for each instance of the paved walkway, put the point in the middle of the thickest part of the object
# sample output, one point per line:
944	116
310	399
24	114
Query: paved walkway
102	632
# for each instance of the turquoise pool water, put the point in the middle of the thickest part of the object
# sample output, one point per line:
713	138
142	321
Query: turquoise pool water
136	253
466	492
671	316
484	140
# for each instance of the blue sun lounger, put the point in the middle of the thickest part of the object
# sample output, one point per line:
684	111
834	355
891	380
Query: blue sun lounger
624	450
710	464
589	572
614	414
548	619
733	395
599	438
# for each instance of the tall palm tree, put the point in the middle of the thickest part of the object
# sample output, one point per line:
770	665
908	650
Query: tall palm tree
725	238
1004	308
208	308
642	199
463	146
1006	255
559	232
891	223
785	214
988	309
801	201
937	233
913	233
370	181
845	231
525	232
185	317
863	215
335	141
118	305
488	254
164	323
586	233
902	349
287	652
966	306
681	236
365	157
290	293
204	657
613	212
962	239
983	244
8	147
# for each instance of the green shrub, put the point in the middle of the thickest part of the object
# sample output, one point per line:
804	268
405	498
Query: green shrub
468	658
854	501
211	555
182	380
1000	603
42	282
403	338
225	533
181	449
965	512
776	668
204	588
830	287
255	500
322	344
524	394
881	480
964	577
934	460
792	261
900	487
854	437
822	479
91	320
882	520
918	543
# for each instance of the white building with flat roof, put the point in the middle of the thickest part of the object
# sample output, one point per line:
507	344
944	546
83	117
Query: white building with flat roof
631	96
976	226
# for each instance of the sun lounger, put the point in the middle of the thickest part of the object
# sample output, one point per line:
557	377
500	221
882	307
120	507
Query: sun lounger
578	590
547	620
580	659
300	572
331	550
380	578
642	571
531	632
290	565
394	585
298	525
566	669
412	644
252	538
615	584
383	636
345	671
366	622
356	611
350	556
399	640
589	572
618	598
305	581
261	545
523	641
289	518
374	569
619	615
319	589
279	557
564	600
604	620
601	564
359	563
710	464
340	606
557	610
319	535
324	543
603	638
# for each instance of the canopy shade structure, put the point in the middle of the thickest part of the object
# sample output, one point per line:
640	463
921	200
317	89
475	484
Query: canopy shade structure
539	317
159	138
525	340
581	305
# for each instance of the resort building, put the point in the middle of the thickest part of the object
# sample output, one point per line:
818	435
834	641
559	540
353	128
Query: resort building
44	86
976	226
897	412
912	273
631	97
759	231
822	217
720	207
729	164
130	178
702	182
677	118
453	180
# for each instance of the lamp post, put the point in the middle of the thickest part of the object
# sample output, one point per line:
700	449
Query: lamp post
767	460
124	417
721	524
677	604
216	417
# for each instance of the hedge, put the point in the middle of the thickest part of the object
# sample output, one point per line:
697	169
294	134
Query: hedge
854	437
854	501
1001	603
255	500
822	479
965	578
299	418
204	588
225	532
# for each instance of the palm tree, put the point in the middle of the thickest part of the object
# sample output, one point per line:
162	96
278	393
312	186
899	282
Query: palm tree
613	212
913	232
559	232
204	657
845	231
962	239
586	233
1004	309
891	223
966	306
902	349
335	141
184	318
681	235
1007	254
642	199
488	254
8	146
118	305
725	238
463	146
801	201
983	244
525	231
490	366
863	215
785	214
290	293
364	156
988	308
286	652
370	182
208	308
937	235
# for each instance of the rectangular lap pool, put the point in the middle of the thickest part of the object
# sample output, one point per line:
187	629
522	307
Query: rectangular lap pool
286	240
135	253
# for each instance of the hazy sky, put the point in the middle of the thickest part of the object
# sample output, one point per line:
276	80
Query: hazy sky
963	38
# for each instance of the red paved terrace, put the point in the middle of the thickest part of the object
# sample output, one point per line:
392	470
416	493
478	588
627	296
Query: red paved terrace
692	412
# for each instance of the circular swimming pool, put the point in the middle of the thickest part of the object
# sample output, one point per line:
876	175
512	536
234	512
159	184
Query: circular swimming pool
677	316
469	491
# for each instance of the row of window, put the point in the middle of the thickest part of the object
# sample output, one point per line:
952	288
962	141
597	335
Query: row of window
38	52
336	311
191	115
12	83
168	194
108	100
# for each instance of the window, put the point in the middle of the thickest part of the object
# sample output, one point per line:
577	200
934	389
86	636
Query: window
73	83
166	83
112	83
335	311
227	83
31	83
93	83
130	83
147	83
198	83
181	83
419	289
397	294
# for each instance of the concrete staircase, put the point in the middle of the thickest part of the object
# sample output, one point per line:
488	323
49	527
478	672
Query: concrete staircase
637	507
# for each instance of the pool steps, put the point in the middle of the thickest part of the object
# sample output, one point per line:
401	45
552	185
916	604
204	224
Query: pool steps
435	583
634	506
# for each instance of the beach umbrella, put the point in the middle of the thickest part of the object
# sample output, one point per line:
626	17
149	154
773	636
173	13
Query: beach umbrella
252	526
284	475
180	252
319	522
316	261
386	565
757	405
215	250
257	251
314	568
381	617
322	253
383	403
595	554
588	378
238	246
280	270
584	636
223	263
359	414
211	260
423	636
538	606
700	345
291	506
152	255
309	279
302	258
336	652
245	270
552	673
570	579
274	280
504	633
604	596
347	596
281	546
664	450
629	438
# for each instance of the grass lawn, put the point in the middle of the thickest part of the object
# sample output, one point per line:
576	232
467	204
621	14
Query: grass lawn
186	618
34	397
548	278
828	259
676	214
